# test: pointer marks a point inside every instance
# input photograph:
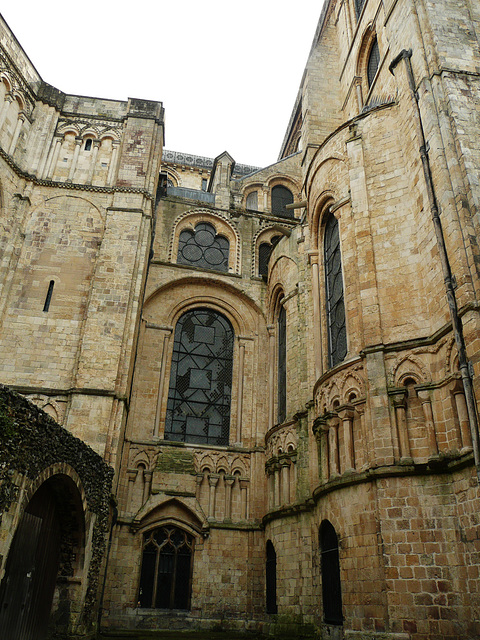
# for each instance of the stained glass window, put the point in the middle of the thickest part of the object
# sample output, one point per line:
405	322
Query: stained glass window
166	569
198	408
203	248
337	331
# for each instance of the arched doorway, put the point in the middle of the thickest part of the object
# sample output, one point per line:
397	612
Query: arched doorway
48	542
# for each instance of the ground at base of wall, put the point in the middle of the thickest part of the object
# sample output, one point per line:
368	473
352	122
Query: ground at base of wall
188	635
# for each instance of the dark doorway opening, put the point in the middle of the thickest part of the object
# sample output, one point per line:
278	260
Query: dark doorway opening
45	544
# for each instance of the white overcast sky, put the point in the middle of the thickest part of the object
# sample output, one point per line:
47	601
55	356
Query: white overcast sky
227	72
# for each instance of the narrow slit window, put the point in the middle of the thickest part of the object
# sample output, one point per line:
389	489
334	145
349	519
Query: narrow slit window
88	144
331	582
48	298
271	578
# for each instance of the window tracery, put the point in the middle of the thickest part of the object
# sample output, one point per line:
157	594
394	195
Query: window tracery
203	248
198	408
165	579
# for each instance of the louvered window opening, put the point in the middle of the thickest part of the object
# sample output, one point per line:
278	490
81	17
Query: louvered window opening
373	62
271	578
165	579
330	567
282	364
203	248
337	331
281	196
198	408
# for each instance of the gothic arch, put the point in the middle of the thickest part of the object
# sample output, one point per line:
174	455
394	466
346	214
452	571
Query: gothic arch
408	366
185	513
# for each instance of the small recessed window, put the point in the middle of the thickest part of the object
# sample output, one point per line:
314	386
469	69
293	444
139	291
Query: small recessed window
204	184
48	297
88	144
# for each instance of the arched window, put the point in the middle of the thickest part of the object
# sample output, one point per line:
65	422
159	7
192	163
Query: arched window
203	248
330	567
165	579
264	251
282	364
198	409
358	7
281	196
252	201
271	578
337	331
373	62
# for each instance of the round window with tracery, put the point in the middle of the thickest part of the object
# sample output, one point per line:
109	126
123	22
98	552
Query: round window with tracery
203	248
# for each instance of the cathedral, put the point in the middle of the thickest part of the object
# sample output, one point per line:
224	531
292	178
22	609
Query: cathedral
246	398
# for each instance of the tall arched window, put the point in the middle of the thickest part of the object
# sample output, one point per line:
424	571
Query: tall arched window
337	331
203	248
330	567
373	62
282	364
198	409
165	579
271	578
281	196
264	251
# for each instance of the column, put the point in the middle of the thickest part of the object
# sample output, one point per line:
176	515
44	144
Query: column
76	153
241	375
113	163
365	439
276	492
320	431
13	143
317	329
161	383
465	434
198	485
6	104
424	397
358	88
293	478
285	473
93	161
346	415
213	479
229	481
244	497
333	462
400	403
147	484
270	487
265	198
132	476
52	163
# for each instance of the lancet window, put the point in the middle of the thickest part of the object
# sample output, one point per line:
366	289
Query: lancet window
271	578
337	331
282	364
373	62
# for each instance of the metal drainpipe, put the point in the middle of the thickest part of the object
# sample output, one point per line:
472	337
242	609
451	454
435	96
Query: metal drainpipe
447	272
